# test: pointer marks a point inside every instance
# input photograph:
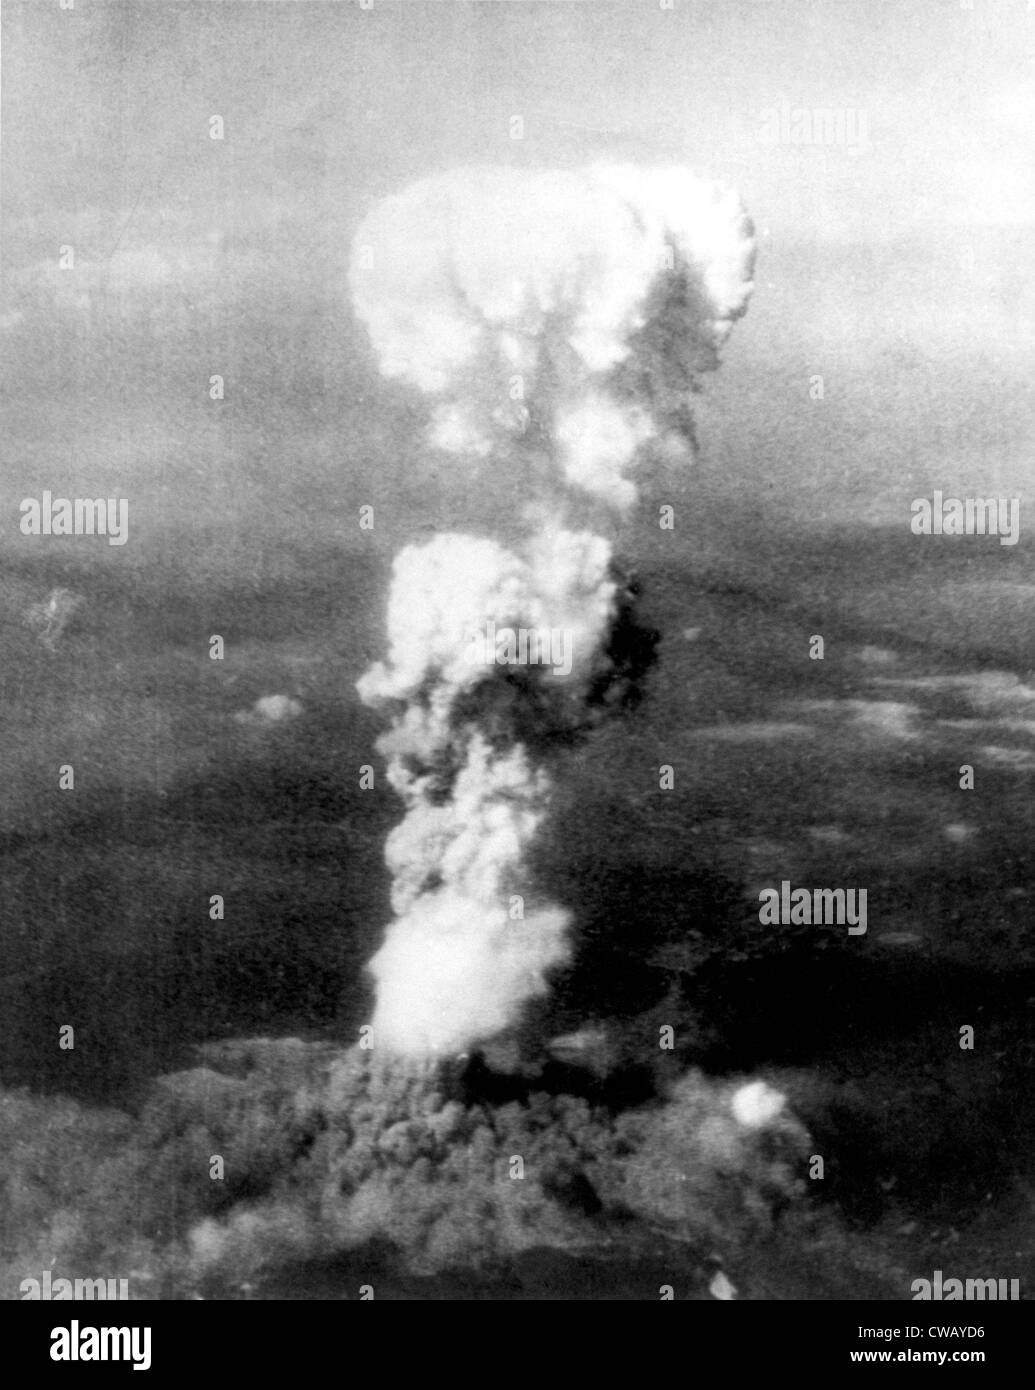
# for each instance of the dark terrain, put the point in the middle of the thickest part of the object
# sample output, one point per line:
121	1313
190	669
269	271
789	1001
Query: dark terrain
841	772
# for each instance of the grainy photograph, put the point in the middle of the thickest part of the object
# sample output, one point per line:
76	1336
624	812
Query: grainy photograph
518	656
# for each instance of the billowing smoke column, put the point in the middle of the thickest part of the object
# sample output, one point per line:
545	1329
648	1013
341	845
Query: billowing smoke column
602	293
557	322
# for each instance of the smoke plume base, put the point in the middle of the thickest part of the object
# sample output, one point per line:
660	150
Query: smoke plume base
332	1152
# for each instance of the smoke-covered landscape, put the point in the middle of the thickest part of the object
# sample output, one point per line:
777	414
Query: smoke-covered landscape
456	964
922	1160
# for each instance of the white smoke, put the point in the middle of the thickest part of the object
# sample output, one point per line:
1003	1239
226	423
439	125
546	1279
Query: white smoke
464	950
557	320
568	311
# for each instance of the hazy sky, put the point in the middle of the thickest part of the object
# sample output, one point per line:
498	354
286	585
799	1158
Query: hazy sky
893	266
